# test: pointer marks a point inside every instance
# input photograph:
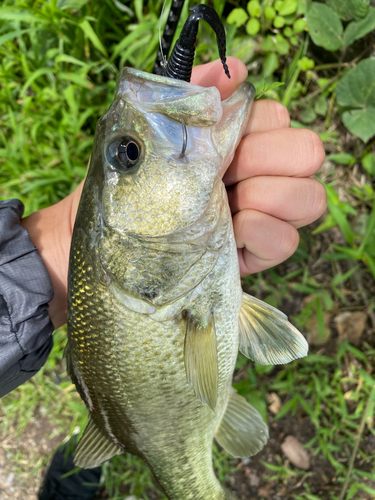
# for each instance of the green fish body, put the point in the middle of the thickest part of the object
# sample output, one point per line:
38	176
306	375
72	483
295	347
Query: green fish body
156	311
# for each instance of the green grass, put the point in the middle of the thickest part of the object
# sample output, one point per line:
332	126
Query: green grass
58	68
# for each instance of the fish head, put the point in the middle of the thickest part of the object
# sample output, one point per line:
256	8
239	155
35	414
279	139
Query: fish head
160	150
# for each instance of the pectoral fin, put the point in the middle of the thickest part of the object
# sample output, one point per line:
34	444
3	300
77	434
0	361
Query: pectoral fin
266	335
201	364
242	431
94	448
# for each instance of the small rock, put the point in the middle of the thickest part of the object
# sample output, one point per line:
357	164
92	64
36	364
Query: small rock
263	493
295	452
9	479
254	480
350	326
274	403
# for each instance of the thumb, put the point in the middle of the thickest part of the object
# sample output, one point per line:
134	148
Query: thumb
212	74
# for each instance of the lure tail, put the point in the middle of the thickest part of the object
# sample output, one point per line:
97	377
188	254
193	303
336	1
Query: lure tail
181	61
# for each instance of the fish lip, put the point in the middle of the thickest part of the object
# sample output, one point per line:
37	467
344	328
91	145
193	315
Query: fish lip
150	77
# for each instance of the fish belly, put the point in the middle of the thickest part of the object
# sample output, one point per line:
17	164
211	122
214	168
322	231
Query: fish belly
132	377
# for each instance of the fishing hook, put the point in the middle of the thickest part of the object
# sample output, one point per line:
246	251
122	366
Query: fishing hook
166	41
184	143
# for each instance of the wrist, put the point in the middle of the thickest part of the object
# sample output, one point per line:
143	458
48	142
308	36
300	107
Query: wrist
50	231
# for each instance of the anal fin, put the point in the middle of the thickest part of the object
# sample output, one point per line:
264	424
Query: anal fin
201	364
242	431
266	335
94	448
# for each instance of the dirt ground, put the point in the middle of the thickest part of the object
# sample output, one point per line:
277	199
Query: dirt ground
19	456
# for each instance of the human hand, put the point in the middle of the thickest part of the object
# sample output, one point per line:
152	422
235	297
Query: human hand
269	190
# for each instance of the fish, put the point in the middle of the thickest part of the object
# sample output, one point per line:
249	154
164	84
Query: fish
156	312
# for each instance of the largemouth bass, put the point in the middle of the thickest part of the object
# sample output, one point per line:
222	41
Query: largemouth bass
156	310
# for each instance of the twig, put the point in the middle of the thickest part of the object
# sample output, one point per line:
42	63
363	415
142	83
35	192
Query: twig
320	67
358	439
330	110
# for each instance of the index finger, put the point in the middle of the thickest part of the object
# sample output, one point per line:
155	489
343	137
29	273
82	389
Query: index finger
265	115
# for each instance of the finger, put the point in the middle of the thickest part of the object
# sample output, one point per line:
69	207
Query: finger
267	115
262	241
282	152
297	201
212	74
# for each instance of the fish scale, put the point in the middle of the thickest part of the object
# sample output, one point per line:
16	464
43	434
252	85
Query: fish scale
168	424
156	312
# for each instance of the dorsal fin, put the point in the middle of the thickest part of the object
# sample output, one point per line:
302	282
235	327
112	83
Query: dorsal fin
266	335
201	363
242	431
94	448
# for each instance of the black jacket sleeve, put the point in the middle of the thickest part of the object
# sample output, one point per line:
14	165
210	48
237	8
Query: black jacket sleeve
25	290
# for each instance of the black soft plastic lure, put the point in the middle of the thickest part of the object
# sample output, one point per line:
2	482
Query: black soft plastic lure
181	61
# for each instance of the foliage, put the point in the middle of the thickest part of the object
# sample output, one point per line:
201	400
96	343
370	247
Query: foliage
59	60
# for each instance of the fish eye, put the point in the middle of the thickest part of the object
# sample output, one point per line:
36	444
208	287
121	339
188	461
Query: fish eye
123	154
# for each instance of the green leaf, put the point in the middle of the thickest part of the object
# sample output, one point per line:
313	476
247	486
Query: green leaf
268	43
325	27
253	8
370	263
238	17
299	25
80	80
321	105
274	85
271	63
38	73
138	7
131	38
357	88
253	27
305	63
125	8
12	34
358	29
256	399
278	22
92	36
288	32
69	59
14	14
307	115
360	122
269	12
349	9
288	7
340	219
243	48
368	162
353	253
71	4
342	158
328	222
282	45
289	405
